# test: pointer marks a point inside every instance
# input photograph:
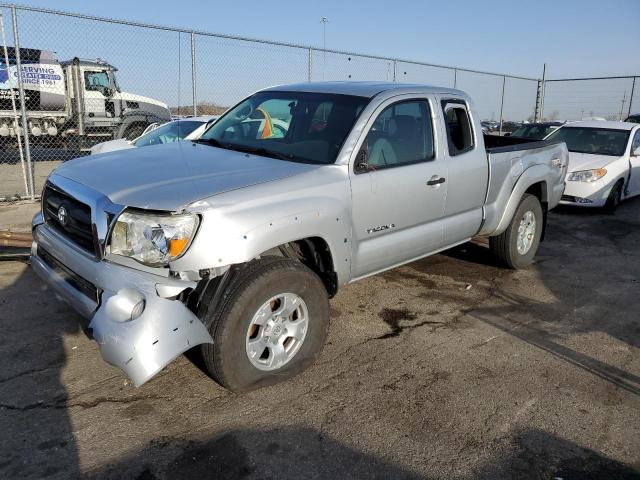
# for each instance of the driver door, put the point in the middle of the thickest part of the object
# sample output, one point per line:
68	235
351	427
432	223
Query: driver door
96	93
634	165
398	200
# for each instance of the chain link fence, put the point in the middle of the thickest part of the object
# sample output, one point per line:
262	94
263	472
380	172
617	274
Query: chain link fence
100	79
608	98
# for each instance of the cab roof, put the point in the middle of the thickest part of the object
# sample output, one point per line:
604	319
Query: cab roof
361	89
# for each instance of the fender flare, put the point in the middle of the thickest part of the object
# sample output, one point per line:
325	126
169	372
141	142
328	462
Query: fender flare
529	177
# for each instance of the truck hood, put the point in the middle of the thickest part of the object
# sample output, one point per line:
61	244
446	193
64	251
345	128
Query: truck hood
588	161
171	176
134	97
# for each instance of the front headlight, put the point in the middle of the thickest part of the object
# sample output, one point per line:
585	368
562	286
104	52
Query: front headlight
587	175
152	239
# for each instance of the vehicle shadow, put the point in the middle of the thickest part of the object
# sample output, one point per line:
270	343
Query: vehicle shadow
301	453
36	439
597	294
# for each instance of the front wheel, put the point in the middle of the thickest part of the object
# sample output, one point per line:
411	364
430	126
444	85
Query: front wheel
270	325
614	198
517	245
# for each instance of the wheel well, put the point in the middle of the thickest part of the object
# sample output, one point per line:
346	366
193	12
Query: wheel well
539	190
314	252
130	126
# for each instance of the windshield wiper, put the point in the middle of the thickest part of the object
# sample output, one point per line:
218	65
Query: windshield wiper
263	152
245	148
211	141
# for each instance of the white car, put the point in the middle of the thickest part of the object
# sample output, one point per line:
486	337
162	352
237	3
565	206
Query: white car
604	162
174	131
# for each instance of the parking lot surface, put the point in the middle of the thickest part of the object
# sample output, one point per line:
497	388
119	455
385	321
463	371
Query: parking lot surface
448	367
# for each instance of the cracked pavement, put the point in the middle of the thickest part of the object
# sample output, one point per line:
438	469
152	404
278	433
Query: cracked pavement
448	367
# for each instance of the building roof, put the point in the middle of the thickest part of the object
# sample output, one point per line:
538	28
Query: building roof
361	89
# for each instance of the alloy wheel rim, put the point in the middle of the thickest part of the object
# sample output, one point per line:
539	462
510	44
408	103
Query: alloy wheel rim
526	232
277	331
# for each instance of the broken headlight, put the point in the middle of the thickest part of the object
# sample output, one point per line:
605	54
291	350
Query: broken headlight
150	239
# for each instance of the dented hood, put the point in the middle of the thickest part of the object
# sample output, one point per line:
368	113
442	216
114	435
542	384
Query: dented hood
170	177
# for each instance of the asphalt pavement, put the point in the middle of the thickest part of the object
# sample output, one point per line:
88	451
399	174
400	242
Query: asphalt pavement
448	367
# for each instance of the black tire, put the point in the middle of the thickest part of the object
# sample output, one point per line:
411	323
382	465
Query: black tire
228	322
614	198
504	246
134	131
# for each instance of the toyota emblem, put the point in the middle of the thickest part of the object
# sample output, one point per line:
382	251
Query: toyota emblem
62	216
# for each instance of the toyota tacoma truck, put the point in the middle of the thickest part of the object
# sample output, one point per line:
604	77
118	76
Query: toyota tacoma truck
234	243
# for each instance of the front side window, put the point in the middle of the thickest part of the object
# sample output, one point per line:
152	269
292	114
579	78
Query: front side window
401	134
635	146
97	81
297	126
167	133
459	131
597	141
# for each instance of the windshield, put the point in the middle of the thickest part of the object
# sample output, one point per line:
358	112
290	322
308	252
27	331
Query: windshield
597	141
537	132
167	133
296	126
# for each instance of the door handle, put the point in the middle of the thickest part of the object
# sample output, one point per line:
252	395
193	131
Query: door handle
436	180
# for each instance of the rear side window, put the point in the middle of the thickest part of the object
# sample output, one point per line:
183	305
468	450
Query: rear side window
458	124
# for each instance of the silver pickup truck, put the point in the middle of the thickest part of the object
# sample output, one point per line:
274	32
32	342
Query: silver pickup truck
235	242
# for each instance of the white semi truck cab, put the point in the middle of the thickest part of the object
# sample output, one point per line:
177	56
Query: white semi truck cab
77	101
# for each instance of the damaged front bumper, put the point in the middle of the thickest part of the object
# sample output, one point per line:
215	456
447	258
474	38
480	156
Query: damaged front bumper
108	294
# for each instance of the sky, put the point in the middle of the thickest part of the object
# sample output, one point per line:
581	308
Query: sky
575	38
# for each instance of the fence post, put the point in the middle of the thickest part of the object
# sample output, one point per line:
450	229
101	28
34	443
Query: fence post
633	87
193	74
25	125
309	64
14	108
504	80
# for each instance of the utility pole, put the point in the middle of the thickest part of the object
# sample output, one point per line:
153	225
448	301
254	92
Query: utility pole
324	21
624	97
633	86
539	108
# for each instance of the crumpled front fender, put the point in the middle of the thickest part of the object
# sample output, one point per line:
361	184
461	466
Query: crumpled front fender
144	346
141	347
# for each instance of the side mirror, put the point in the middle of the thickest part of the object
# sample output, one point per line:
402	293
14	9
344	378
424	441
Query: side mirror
362	164
508	134
636	152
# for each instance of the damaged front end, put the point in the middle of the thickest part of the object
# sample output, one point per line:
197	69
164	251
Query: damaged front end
136	317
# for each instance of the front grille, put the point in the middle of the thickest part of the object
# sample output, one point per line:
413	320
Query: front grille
76	281
568	198
77	226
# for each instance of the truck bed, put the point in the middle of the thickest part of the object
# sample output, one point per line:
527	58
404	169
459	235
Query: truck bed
508	159
497	143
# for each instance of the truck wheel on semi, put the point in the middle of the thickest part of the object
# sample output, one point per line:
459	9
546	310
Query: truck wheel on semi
75	103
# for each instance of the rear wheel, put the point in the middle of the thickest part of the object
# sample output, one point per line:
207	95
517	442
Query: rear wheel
134	131
270	324
517	245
